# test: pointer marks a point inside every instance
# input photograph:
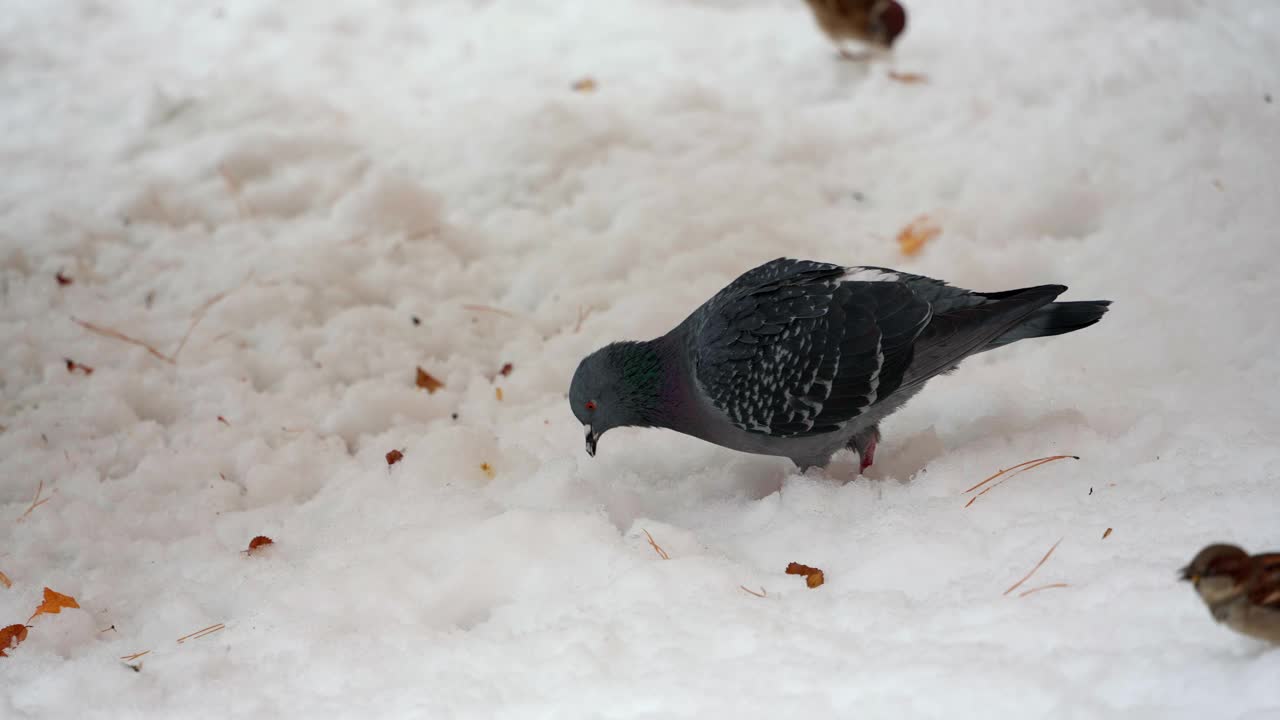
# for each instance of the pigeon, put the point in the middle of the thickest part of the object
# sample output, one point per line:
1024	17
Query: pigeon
874	23
801	359
1241	591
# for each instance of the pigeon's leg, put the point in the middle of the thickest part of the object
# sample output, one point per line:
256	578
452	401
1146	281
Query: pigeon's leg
864	443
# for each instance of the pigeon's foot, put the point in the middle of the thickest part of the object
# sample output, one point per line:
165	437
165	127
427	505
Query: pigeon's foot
868	455
864	443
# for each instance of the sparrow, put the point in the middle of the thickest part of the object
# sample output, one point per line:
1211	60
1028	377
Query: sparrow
1241	591
876	23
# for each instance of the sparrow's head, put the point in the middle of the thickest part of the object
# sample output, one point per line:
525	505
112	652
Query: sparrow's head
887	21
618	385
1218	572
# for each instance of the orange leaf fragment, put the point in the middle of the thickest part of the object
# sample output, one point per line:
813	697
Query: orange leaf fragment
813	577
497	392
427	382
53	604
259	541
10	636
914	236
908	78
488	470
394	457
585	85
5	581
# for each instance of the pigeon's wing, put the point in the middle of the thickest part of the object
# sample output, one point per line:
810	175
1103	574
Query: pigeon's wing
794	348
1054	318
959	329
943	297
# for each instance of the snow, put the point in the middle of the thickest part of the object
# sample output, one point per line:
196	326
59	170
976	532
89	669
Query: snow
337	169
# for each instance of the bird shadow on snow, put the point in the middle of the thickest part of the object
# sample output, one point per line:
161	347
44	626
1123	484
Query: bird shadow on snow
1053	427
662	486
902	459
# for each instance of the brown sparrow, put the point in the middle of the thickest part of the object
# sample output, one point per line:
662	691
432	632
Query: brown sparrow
877	23
1241	591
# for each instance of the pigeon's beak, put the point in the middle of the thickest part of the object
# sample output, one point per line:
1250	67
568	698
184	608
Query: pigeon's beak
1186	574
592	438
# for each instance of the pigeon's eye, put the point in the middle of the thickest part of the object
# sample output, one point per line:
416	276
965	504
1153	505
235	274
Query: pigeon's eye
591	405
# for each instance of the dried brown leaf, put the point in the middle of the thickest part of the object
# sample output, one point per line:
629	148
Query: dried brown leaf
394	457
506	369
73	367
258	542
813	577
63	279
5	581
585	85
11	636
488	470
54	602
427	382
1106	533
912	238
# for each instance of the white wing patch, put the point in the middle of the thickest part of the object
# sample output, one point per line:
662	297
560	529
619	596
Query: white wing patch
865	274
875	379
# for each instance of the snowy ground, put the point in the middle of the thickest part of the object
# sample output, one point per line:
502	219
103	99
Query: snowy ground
339	169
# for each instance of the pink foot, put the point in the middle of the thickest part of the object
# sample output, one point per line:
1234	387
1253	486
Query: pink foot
869	456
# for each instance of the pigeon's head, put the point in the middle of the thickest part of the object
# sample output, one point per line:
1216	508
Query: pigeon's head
616	386
1218	572
888	20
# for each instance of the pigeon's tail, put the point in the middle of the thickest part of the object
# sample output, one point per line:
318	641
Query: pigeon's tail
1054	319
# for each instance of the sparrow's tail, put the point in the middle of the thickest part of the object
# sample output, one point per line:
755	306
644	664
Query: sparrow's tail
1054	319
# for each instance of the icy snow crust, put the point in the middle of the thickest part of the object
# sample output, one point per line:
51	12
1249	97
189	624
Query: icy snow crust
340	168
